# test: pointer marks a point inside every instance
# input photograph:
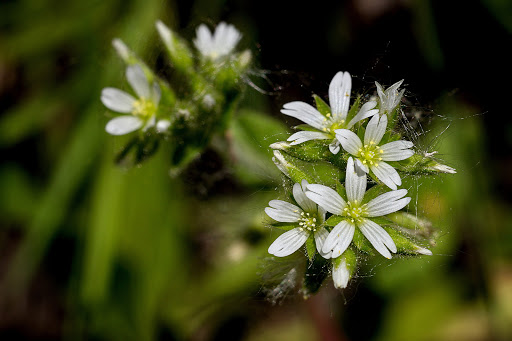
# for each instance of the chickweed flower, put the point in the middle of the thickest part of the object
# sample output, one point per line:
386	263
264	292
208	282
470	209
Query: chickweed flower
370	156
356	213
140	112
219	44
389	98
339	100
309	218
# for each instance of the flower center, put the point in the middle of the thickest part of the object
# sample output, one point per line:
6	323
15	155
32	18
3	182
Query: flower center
307	221
355	212
370	154
331	125
144	108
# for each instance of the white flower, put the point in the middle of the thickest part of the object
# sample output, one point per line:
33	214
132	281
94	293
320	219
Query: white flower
370	156
389	98
218	45
356	213
140	112
339	99
309	217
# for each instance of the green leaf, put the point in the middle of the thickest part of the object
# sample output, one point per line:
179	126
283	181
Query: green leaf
313	150
322	107
404	244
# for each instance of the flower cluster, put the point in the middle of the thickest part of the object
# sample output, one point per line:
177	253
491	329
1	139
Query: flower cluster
347	220
187	120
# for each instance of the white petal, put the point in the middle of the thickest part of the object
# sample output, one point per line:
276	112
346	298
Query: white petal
380	92
365	112
339	95
396	150
321	213
138	81
361	167
298	194
203	41
288	242
117	100
339	238
303	136
283	211
375	129
225	38
389	207
349	141
355	183
383	199
335	95
378	237
320	236
123	125
387	174
340	275
335	146
326	197
304	112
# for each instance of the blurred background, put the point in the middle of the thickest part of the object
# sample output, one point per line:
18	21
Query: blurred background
90	250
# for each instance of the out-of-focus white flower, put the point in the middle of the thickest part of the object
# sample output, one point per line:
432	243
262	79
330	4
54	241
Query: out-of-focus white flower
219	44
140	112
339	100
357	214
309	218
370	156
389	98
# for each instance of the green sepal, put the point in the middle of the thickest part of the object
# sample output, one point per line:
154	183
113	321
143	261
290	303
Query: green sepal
382	221
305	127
311	247
340	189
316	272
167	100
334	220
291	167
412	222
177	50
315	173
350	259
321	106
285	226
361	243
403	244
354	109
313	150
374	192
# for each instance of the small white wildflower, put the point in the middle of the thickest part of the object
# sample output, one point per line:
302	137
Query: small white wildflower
309	217
208	101
357	214
370	156
389	98
140	112
339	100
218	45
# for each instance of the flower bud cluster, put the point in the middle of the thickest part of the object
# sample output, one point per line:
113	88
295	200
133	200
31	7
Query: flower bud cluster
185	113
